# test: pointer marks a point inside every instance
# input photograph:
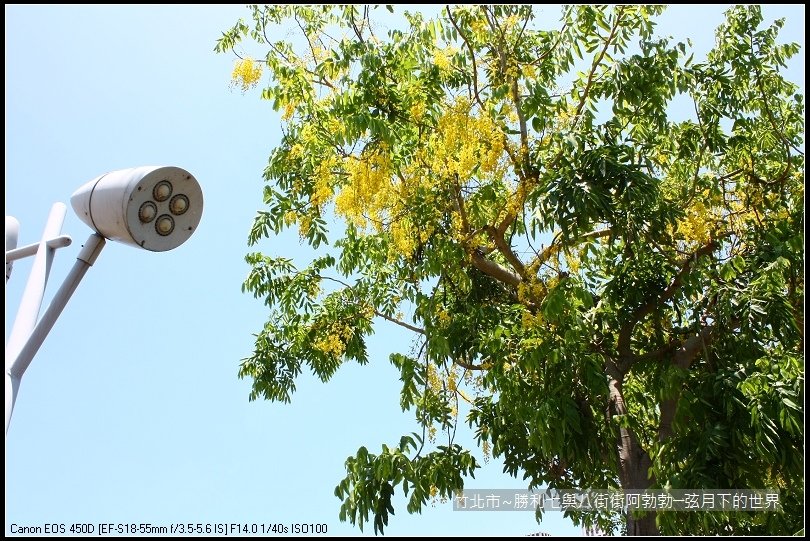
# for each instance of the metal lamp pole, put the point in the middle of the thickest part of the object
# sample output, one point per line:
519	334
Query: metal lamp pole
27	335
154	208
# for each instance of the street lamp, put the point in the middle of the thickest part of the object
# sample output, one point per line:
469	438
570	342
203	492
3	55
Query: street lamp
154	208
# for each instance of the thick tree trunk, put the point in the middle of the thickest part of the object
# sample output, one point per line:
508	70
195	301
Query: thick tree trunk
643	525
634	463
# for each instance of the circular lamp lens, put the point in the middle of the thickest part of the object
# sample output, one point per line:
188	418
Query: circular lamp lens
164	225
147	212
162	190
179	204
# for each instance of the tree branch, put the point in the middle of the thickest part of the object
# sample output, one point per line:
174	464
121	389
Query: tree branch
376	312
521	191
684	355
465	224
626	332
469	366
506	250
399	322
472	56
634	462
494	270
774	124
524	131
596	61
357	31
553	46
553	248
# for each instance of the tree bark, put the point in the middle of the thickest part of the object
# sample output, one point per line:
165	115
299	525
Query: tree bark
642	525
634	462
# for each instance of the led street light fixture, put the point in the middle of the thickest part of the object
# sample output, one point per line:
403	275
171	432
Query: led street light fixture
155	208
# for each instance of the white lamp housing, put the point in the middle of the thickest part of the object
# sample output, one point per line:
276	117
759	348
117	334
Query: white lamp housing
155	208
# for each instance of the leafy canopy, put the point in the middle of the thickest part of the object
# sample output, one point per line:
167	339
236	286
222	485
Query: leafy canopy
600	240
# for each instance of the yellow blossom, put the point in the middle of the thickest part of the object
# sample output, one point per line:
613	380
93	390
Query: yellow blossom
417	110
290	217
323	181
573	263
402	238
433	379
532	290
304	226
246	73
443	317
369	191
289	109
333	342
441	59
466	144
700	221
367	311
479	27
296	151
452	379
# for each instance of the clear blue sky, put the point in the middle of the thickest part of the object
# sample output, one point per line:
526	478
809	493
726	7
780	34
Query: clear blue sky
132	411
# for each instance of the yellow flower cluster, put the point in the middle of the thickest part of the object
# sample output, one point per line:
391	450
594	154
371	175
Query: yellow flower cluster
296	151
323	178
566	117
333	342
465	144
319	54
304	225
531	291
694	227
289	109
335	126
573	263
443	317
246	73
418	110
372	197
402	239
701	220
480	28
367	311
452	379
441	58
457	225
433	380
369	193
331	345
531	321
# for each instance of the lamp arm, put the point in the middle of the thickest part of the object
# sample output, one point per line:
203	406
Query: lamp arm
16	367
12	231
